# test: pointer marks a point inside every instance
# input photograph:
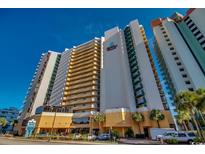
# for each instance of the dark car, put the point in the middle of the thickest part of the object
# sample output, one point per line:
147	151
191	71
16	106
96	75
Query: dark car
103	137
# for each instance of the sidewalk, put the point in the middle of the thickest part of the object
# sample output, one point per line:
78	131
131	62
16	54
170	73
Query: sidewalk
62	141
139	142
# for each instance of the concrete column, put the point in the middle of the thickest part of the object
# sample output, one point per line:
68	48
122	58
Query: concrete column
123	132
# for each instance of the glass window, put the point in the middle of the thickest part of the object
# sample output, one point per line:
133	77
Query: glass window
181	135
191	134
83	120
187	82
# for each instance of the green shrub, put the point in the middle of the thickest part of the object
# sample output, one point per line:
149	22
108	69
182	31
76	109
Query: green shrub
115	134
198	140
171	141
85	137
129	133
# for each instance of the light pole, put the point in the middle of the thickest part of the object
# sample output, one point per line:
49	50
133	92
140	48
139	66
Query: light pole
91	122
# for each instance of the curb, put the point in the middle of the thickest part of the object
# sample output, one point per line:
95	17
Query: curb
58	141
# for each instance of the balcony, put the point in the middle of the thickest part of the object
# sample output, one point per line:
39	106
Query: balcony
82	85
84	71
85	56
84	64
92	58
82	76
81	101
83	80
73	61
85	107
82	95
93	88
83	67
85	50
92	52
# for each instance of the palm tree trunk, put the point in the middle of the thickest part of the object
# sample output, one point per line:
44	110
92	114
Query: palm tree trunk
197	126
202	117
139	127
99	127
184	124
158	124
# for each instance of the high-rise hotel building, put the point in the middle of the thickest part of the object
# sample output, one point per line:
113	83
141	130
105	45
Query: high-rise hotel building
179	45
41	86
114	75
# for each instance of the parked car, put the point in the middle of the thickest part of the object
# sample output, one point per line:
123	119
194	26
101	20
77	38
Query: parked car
92	137
78	136
187	137
103	137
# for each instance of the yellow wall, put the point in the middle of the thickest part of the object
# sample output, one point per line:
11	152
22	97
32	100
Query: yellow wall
119	121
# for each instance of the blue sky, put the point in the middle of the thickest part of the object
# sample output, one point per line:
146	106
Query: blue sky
26	33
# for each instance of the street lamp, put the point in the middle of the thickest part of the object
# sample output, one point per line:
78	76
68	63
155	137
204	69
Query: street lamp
91	121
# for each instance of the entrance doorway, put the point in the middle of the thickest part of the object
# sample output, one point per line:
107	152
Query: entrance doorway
146	132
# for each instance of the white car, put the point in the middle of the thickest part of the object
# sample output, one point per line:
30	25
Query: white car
92	137
187	137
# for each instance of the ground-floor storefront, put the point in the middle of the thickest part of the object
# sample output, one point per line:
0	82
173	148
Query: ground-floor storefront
119	120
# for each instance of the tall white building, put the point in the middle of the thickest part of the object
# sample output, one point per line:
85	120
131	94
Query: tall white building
115	75
41	85
177	55
60	80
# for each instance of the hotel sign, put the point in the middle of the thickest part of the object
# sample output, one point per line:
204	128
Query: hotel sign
111	46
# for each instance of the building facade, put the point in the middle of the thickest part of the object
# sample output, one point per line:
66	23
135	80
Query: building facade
179	56
192	30
41	86
114	75
129	80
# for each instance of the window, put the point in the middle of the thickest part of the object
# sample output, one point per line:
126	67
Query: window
202	42
167	40
189	21
181	69
190	26
179	63
186	19
197	33
191	89
163	32
165	35
176	58
181	135
174	53
187	82
193	30
171	48
200	37
169	44
83	120
191	134
184	75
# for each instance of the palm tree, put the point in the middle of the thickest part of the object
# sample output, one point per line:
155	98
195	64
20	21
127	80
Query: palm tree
182	117
157	115
200	101
3	122
186	101
138	117
99	118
